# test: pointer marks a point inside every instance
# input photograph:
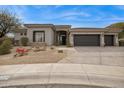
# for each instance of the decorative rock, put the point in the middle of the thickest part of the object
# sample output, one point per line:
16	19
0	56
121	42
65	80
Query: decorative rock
60	51
3	77
51	47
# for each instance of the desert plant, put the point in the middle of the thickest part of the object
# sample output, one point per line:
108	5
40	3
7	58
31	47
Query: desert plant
1	40
52	47
121	43
60	51
21	52
24	41
121	34
5	46
69	45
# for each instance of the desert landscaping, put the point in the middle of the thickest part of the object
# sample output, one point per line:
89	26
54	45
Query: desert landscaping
47	56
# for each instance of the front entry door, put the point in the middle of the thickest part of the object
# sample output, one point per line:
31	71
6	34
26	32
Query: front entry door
62	40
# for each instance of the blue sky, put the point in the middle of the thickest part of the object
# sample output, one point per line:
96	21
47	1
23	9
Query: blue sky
77	16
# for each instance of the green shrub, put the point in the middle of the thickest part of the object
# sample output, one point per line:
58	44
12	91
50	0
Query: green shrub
5	46
5	38
121	43
69	45
121	34
24	41
1	40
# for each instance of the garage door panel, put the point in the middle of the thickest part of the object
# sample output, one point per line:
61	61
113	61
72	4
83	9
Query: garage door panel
86	40
87	44
109	40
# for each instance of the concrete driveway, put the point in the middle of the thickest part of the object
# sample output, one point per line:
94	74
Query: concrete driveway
113	56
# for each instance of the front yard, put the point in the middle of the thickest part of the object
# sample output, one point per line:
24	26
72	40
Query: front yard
48	56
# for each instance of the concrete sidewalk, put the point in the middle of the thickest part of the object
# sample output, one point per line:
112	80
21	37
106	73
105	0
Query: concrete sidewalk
74	74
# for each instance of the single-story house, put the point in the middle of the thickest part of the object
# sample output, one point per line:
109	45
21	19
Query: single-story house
64	35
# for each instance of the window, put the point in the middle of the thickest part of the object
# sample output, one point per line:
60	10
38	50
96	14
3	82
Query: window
39	36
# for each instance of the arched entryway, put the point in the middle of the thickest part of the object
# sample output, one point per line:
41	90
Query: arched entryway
61	37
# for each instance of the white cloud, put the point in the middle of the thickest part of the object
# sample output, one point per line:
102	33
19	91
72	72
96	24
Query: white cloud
20	11
58	6
47	6
40	6
75	16
119	7
47	12
69	15
75	13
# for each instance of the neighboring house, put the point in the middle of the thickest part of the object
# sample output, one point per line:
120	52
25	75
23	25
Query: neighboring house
65	35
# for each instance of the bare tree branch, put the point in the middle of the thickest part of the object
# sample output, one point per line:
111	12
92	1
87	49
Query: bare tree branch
8	22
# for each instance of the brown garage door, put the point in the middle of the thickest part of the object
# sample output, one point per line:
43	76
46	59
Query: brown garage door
86	40
109	40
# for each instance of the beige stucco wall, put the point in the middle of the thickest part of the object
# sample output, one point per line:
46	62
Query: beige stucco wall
17	36
49	34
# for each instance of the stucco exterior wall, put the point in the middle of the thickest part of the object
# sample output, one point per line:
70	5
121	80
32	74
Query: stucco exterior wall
17	36
49	34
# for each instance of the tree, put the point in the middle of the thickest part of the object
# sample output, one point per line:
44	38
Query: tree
8	22
119	25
